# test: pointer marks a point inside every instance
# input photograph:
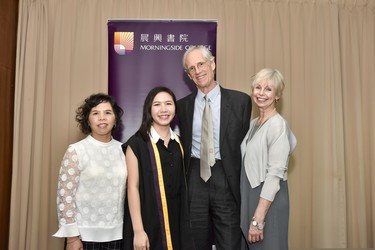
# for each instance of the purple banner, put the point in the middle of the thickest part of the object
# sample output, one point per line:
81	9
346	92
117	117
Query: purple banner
143	54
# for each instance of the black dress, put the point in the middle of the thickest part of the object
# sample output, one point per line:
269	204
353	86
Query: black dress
159	218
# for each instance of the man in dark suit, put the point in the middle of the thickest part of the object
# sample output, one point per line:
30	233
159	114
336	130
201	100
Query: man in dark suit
214	203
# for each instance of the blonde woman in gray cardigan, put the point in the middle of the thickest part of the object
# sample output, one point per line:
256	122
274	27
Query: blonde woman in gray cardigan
265	153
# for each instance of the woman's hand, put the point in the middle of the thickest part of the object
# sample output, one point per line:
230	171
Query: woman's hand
141	241
255	235
74	243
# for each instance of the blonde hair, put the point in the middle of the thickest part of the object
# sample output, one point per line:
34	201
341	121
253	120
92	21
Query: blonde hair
268	74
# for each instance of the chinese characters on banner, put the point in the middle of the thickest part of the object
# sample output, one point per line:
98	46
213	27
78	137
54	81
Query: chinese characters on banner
143	54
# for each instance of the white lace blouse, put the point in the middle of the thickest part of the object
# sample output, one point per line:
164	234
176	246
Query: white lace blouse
91	191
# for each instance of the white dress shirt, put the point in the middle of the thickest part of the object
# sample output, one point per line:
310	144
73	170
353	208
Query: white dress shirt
214	97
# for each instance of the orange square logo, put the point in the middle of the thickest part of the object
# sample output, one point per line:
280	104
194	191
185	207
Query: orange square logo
124	42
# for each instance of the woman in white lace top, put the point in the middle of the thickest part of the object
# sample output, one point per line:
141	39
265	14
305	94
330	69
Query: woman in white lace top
92	180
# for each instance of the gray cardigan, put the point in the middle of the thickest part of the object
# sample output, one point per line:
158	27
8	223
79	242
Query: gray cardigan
265	156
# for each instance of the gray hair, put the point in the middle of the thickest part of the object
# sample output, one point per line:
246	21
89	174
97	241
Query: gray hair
204	50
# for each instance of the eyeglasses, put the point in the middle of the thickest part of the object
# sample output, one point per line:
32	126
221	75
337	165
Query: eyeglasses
200	66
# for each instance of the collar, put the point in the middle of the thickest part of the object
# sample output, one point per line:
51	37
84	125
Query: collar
155	137
212	95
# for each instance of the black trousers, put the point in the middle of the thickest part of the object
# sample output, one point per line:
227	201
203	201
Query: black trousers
110	245
214	213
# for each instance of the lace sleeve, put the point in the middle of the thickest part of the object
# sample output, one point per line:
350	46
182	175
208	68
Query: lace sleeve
67	187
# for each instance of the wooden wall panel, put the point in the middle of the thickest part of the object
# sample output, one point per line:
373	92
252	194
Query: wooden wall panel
8	41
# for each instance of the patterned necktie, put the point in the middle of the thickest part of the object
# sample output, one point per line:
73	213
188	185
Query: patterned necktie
207	142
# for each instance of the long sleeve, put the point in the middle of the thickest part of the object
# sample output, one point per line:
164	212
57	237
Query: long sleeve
67	187
266	155
91	191
280	145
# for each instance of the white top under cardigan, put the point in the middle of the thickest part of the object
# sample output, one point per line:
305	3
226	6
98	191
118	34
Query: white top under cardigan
91	191
265	156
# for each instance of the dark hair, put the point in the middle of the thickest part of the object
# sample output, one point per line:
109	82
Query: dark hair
147	120
83	112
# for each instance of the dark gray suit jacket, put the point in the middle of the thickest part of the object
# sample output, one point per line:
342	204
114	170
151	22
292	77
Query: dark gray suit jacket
234	124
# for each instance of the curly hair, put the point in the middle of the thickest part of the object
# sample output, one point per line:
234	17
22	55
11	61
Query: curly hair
83	111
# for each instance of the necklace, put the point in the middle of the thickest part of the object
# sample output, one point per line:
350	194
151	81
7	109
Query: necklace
258	124
166	137
260	121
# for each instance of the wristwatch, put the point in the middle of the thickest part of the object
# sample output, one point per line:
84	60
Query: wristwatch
256	224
